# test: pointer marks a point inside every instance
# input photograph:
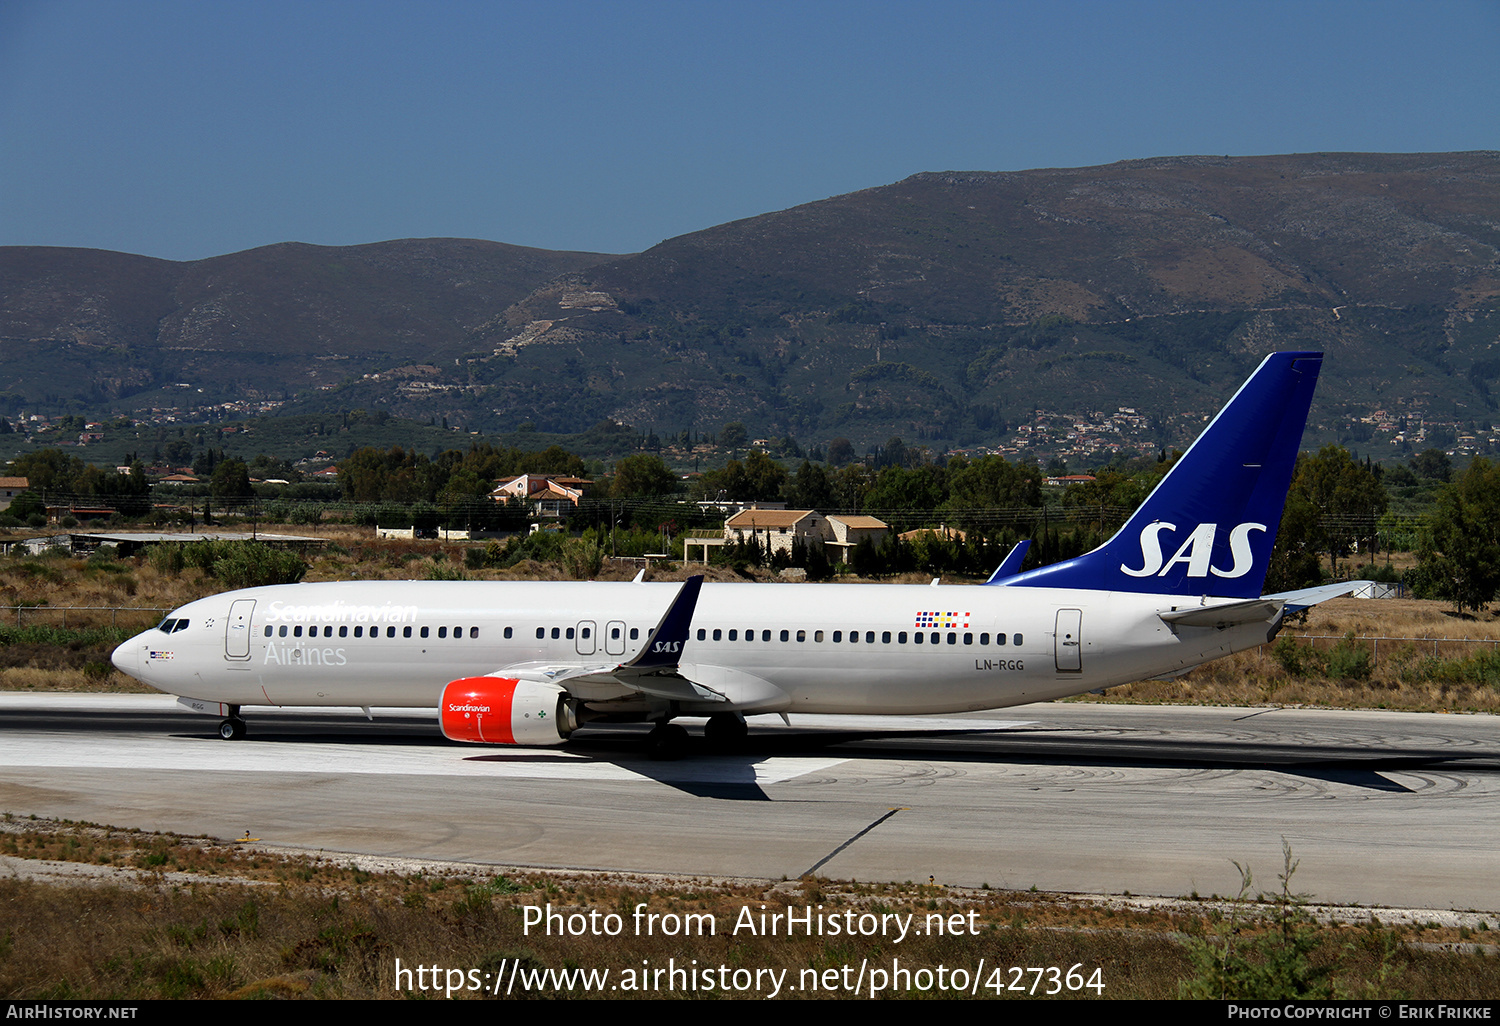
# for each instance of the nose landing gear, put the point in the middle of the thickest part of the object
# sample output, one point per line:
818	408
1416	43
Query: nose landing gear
232	728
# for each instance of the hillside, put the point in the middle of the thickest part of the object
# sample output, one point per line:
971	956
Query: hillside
946	308
111	330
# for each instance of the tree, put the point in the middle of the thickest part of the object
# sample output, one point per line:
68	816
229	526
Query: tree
231	480
1433	464
642	475
1347	497
811	488
1464	558
733	436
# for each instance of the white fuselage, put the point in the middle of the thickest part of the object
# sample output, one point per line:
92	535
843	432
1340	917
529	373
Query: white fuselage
815	648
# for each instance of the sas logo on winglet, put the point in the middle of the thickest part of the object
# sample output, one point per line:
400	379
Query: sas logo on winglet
667	646
1195	551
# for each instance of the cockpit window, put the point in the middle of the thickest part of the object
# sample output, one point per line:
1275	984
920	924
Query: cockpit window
166	626
182	625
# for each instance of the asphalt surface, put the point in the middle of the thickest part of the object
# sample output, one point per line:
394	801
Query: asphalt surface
1390	809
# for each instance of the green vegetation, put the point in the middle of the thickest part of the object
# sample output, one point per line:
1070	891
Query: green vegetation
1287	958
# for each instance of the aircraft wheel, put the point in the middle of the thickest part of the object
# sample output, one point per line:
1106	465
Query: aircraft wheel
232	728
667	741
725	730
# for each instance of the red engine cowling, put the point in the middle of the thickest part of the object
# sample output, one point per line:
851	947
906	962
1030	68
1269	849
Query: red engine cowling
502	711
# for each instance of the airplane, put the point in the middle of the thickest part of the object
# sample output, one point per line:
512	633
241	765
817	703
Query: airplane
530	663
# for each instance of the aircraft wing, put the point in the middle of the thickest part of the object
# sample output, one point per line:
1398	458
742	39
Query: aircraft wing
654	671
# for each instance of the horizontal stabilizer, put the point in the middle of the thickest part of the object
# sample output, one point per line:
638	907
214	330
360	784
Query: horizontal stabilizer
1296	601
1227	615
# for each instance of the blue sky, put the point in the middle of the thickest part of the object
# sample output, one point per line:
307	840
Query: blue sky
188	129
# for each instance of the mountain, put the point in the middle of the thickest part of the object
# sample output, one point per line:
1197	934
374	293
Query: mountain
948	308
127	332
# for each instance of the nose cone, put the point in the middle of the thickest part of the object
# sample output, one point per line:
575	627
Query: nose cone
125	657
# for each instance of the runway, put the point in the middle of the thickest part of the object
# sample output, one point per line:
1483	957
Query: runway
1385	809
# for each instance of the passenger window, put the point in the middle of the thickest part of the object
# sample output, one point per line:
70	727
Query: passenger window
1015	640
359	632
390	632
424	631
406	632
901	638
838	636
702	633
801	637
507	634
343	631
885	637
734	635
570	633
297	631
984	639
718	634
442	632
952	638
916	638
766	635
473	632
541	632
1000	640
586	632
817	635
269	630
968	639
556	633
786	635
635	632
870	637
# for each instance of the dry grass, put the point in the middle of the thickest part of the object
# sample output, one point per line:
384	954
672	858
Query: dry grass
1398	679
200	918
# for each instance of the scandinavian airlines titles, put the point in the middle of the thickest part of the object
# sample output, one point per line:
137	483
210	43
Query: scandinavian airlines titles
1195	551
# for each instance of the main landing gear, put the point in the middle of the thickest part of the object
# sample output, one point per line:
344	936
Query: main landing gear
231	727
667	741
724	732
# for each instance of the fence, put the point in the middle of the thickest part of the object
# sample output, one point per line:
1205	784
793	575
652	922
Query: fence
86	616
1438	648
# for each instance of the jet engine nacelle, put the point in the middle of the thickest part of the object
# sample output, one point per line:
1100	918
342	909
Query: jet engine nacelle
502	711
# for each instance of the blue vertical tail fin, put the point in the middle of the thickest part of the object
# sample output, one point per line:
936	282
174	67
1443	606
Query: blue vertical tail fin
1209	526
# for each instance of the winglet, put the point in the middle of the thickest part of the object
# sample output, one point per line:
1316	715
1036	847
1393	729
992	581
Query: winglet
664	646
1012	563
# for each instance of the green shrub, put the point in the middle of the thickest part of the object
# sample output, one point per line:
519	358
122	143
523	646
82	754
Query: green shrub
1349	660
1297	659
253	565
167	559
